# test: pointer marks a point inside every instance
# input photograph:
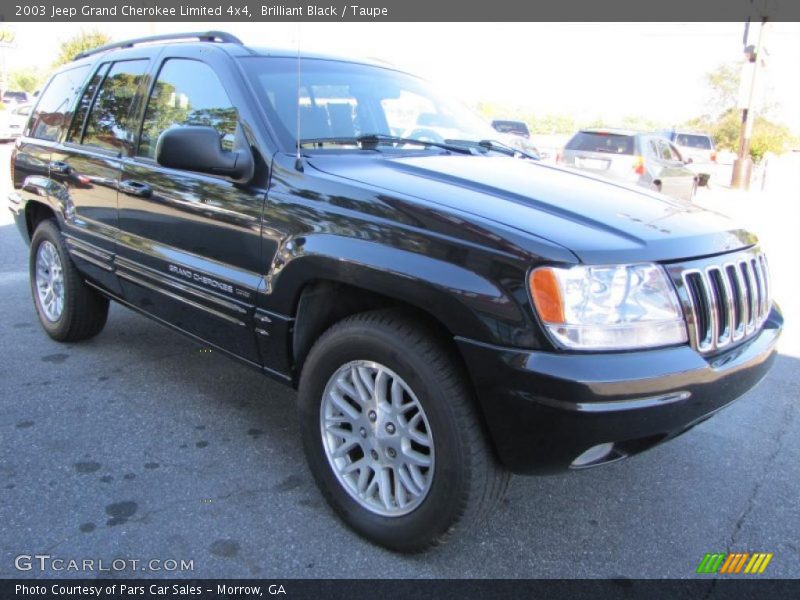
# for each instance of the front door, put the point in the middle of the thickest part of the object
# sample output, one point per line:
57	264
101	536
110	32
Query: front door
189	245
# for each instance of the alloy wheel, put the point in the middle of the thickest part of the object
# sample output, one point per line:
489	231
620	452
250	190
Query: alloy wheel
377	438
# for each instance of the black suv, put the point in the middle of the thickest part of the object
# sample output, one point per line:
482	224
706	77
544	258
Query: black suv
450	310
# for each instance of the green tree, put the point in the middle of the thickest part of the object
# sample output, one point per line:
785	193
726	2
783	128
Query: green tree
550	124
25	80
768	136
85	40
723	83
724	121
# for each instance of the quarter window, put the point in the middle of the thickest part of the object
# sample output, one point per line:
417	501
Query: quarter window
52	111
665	150
187	92
76	129
108	125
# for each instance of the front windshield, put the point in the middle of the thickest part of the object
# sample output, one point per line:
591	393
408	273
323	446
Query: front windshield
341	101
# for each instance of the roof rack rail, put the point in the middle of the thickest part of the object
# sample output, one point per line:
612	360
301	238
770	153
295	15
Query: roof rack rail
203	36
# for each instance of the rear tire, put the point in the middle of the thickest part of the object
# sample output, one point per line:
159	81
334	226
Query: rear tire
68	309
368	354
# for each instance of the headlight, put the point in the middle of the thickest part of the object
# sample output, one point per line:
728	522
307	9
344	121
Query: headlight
616	307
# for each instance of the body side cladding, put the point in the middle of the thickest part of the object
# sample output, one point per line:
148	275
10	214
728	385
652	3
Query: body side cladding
273	373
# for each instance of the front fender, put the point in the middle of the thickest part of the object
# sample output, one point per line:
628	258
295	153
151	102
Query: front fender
466	302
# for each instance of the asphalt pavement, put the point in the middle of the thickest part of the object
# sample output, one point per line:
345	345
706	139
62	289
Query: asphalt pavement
140	444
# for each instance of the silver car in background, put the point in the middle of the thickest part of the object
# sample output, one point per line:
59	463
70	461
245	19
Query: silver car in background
644	159
696	148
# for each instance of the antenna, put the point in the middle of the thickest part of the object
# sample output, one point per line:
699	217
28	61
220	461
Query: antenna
298	164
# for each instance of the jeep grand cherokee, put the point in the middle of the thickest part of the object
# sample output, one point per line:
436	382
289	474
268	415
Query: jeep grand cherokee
450	310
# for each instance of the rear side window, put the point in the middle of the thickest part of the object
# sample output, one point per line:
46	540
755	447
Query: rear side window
588	141
668	151
108	124
187	92
76	128
701	142
52	112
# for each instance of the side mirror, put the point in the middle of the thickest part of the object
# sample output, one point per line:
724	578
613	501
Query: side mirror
199	148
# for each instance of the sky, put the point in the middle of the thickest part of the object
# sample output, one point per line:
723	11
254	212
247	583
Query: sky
584	70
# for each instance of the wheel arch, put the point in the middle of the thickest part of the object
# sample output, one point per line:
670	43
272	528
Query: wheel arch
35	213
328	278
323	302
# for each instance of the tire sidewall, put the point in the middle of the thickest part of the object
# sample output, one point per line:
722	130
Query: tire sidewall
441	506
47	231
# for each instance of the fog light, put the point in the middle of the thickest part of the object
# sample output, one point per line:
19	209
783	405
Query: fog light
593	454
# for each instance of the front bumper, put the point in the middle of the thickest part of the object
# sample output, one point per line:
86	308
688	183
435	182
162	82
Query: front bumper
545	409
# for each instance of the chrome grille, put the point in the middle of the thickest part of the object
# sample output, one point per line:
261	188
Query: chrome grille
728	300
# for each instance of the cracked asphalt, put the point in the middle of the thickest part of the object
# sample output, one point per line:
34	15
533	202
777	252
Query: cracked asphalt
140	445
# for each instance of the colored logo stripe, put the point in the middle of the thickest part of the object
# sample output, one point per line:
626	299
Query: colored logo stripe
734	562
758	563
710	563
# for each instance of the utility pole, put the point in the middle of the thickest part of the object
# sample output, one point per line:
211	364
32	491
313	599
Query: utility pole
743	165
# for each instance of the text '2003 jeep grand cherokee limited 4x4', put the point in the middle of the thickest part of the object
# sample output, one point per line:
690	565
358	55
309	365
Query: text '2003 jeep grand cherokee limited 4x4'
450	310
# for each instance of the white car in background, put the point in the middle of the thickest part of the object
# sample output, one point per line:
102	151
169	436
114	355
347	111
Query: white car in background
13	120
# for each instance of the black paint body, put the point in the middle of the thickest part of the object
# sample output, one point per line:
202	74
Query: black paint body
453	236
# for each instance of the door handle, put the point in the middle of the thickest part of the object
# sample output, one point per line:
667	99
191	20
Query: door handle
57	166
135	188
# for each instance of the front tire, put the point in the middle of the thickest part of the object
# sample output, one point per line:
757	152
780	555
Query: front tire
68	309
391	433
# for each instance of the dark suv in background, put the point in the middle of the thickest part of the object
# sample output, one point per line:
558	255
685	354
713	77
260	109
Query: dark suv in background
519	128
450	310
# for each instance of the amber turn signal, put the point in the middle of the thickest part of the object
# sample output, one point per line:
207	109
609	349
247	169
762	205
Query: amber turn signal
547	295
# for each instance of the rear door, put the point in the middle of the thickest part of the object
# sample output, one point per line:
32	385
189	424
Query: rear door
44	131
190	243
86	167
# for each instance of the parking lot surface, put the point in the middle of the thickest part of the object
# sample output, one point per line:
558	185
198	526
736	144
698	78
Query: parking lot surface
140	444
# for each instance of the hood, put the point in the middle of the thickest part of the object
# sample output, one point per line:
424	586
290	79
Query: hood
598	220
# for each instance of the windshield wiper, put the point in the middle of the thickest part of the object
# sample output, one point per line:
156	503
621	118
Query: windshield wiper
497	147
371	141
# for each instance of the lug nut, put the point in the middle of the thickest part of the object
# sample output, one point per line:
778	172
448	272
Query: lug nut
373	416
391	452
374	455
363	432
390	428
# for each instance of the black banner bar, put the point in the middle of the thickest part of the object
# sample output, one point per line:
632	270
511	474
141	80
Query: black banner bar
398	10
417	589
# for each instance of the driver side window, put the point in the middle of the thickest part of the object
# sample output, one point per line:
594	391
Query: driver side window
187	92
